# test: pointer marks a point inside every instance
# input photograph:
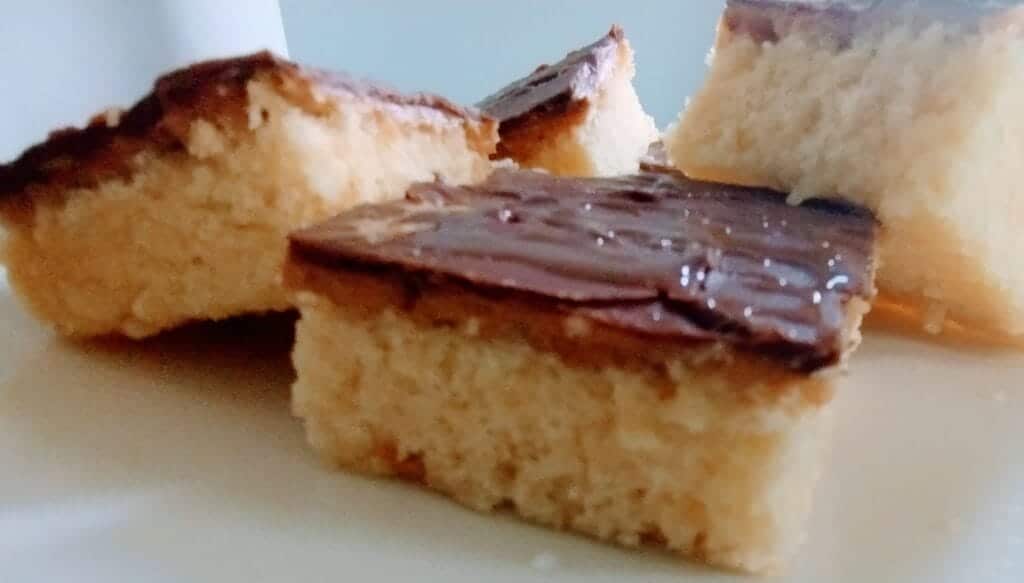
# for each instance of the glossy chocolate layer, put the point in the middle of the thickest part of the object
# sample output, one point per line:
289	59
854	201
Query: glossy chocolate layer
842	20
552	89
161	120
655	254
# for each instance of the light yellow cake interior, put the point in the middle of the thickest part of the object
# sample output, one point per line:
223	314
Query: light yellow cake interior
200	234
610	138
920	124
691	461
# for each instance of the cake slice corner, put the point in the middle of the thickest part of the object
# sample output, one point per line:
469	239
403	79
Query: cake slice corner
578	117
572	350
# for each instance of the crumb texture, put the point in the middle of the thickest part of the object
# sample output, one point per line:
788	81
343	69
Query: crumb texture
686	459
199	233
920	124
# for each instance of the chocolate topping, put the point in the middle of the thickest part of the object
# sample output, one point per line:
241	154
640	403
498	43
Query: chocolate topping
654	254
552	89
82	156
842	20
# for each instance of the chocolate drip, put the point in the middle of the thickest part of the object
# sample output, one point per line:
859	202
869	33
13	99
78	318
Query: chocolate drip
653	253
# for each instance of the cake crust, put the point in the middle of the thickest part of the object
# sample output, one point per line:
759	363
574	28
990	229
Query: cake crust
162	120
178	209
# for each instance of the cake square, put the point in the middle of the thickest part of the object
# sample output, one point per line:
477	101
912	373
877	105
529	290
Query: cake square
644	359
178	209
656	159
909	108
578	117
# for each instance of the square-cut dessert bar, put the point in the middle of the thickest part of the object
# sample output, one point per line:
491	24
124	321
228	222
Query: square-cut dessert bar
909	108
578	117
644	359
178	209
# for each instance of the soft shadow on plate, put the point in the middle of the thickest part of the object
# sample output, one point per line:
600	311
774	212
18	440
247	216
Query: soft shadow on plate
926	477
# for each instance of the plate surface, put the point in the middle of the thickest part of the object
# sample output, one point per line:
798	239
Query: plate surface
178	460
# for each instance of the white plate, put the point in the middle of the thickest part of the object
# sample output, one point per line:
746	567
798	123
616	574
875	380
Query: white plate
177	460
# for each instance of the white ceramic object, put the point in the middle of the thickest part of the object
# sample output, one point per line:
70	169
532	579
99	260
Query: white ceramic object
178	460
65	60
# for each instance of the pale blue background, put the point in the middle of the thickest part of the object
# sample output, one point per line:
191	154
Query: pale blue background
466	50
65	60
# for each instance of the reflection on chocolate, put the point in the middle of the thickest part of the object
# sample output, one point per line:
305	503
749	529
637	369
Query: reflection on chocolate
653	253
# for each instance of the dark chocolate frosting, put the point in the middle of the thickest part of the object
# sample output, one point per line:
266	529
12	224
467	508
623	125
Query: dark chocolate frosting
81	156
554	87
842	20
654	254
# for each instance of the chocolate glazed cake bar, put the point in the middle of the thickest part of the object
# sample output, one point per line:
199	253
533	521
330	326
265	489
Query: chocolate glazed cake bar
911	108
644	359
178	209
578	117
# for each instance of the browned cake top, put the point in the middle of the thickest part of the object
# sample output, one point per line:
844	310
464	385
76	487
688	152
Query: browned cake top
768	20
161	119
655	254
552	88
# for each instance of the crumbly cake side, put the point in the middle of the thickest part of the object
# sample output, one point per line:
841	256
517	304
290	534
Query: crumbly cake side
686	461
908	108
528	372
178	209
578	117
